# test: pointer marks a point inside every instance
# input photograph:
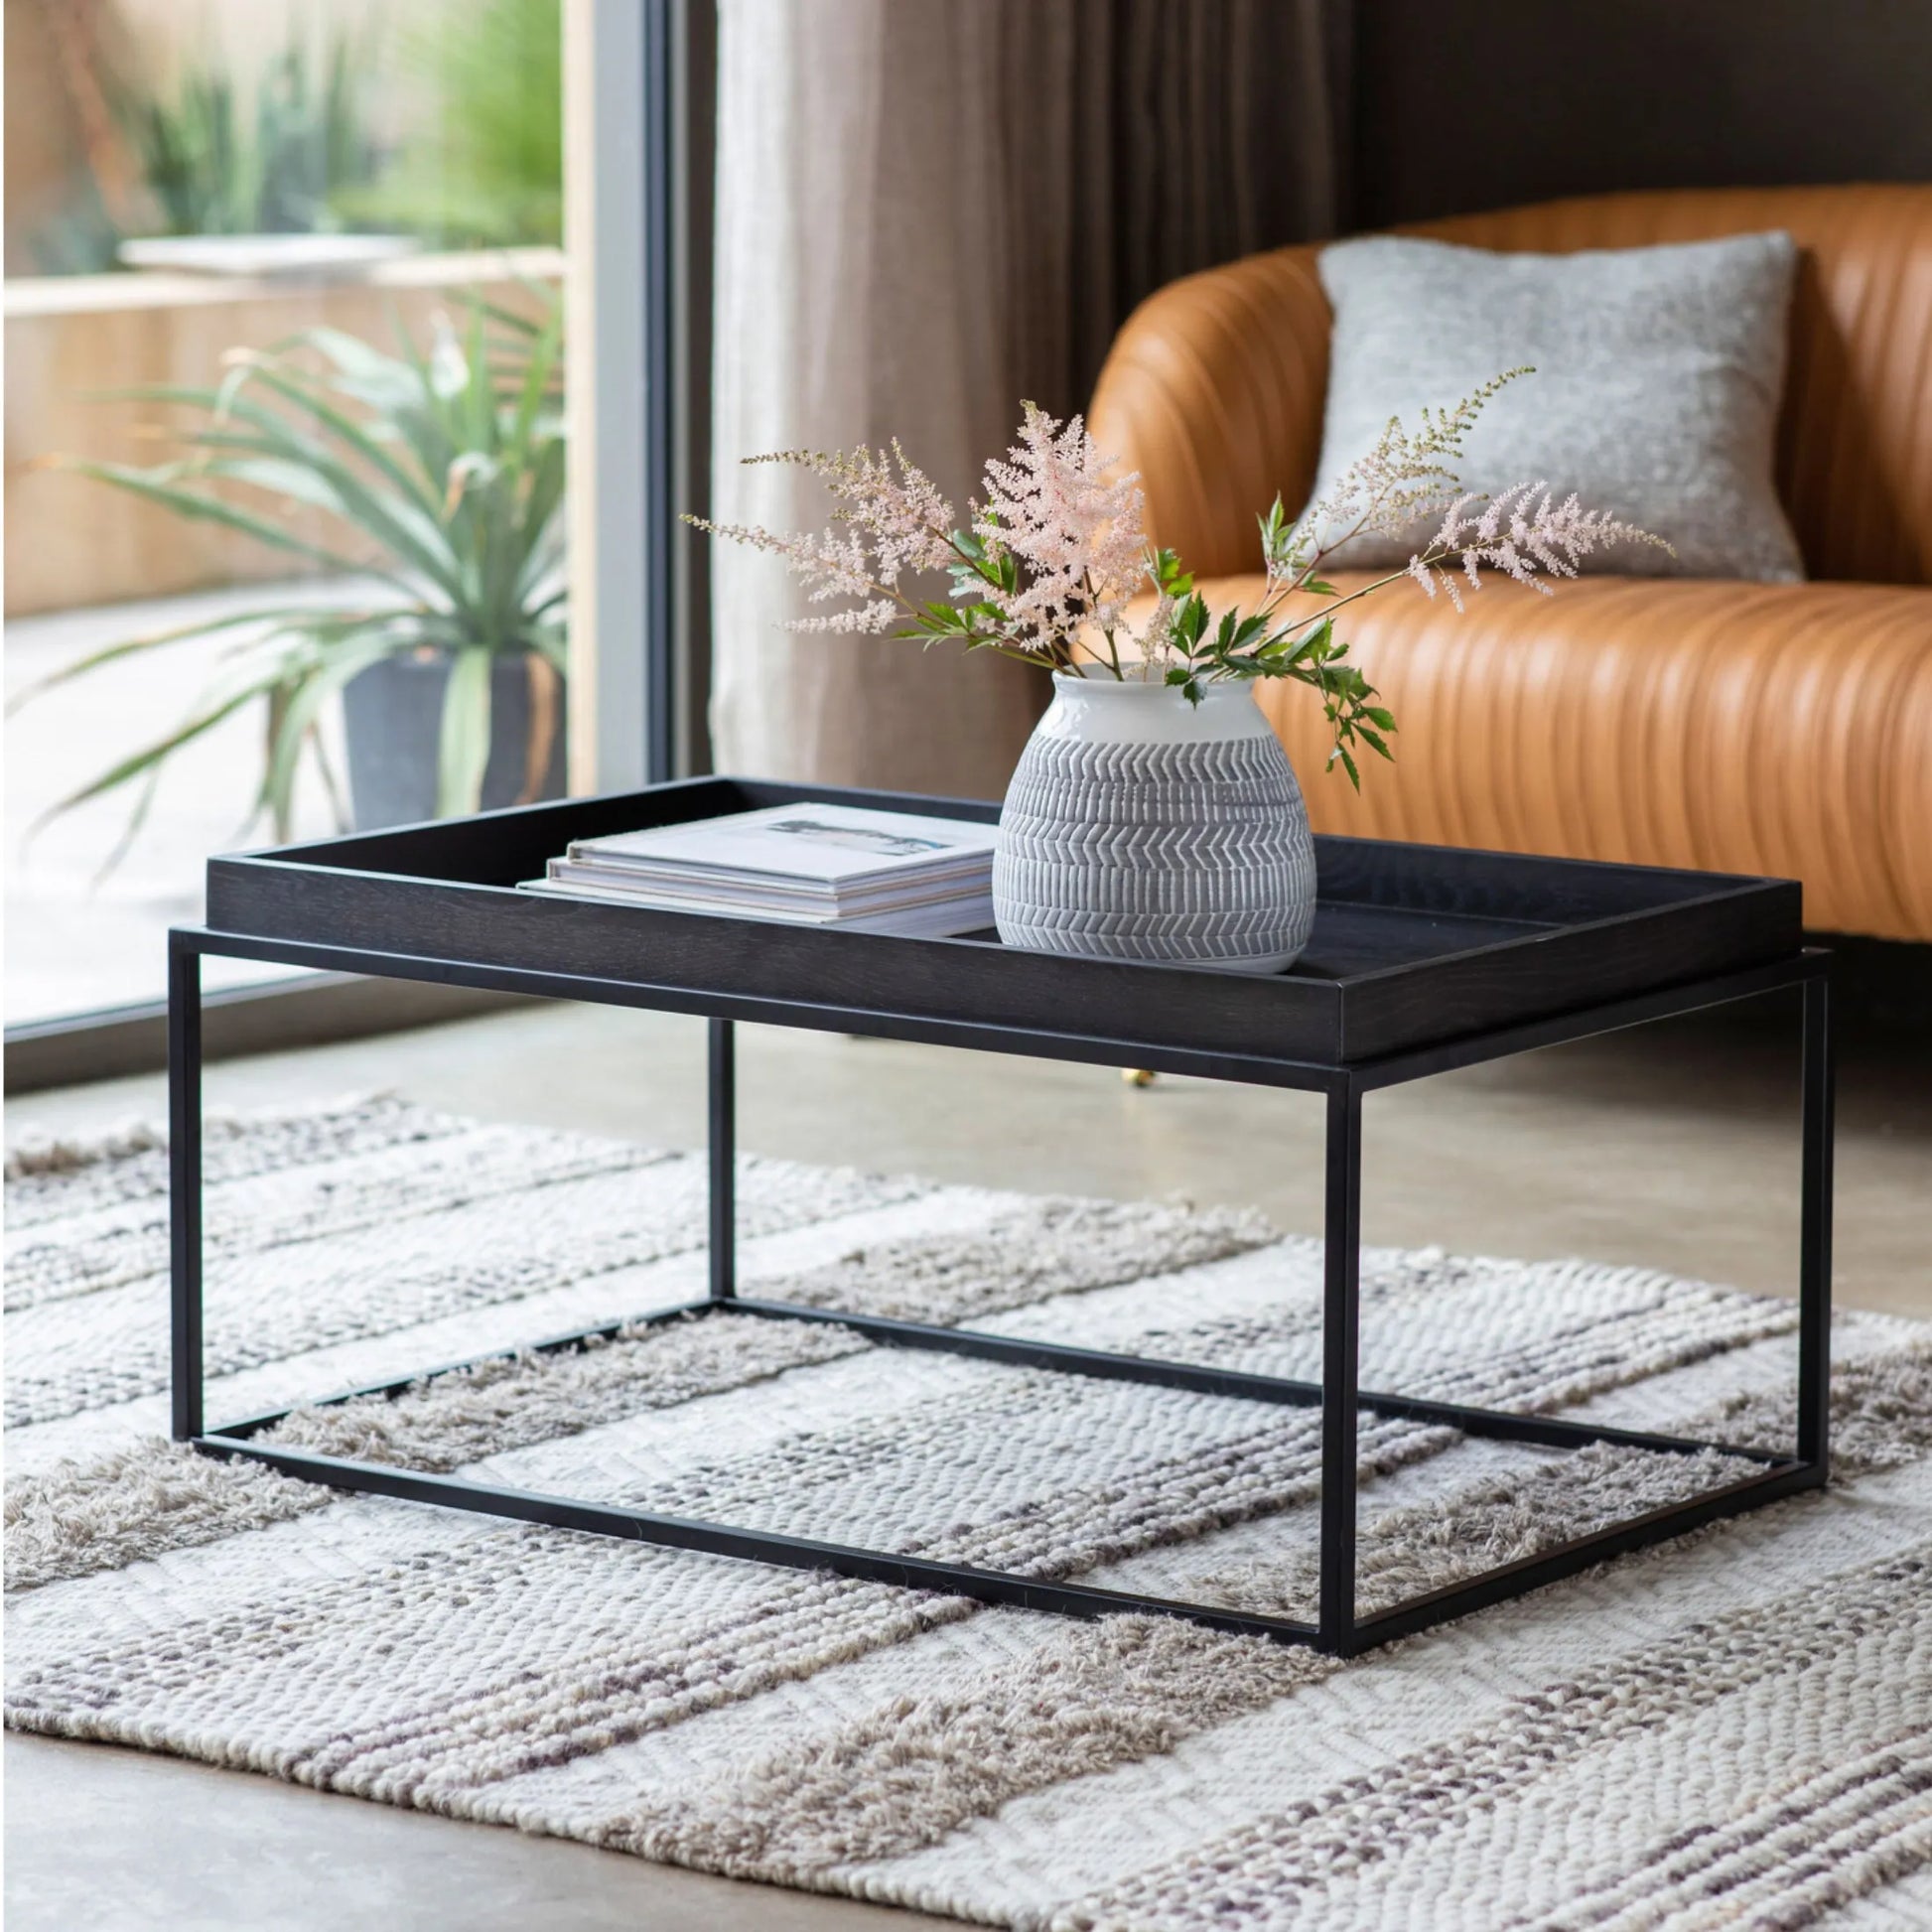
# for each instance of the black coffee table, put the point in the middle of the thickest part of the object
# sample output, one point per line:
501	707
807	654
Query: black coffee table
1423	959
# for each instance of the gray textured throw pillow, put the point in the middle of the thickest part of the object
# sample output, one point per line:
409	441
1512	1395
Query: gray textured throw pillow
1659	373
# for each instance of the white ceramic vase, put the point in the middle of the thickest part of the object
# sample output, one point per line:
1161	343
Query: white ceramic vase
1139	826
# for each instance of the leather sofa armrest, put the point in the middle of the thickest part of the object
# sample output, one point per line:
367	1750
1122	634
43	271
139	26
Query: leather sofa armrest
1213	392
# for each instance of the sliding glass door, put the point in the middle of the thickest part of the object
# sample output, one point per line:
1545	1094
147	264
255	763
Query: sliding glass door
340	339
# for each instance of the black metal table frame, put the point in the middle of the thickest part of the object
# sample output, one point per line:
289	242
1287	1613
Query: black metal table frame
1338	1629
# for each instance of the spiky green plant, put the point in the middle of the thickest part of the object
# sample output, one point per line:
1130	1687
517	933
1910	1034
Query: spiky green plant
215	153
439	472
213	170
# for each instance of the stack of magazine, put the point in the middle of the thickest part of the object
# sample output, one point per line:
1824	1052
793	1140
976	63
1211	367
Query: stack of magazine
830	866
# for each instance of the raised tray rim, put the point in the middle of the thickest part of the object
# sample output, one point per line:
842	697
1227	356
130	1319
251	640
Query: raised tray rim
1741	920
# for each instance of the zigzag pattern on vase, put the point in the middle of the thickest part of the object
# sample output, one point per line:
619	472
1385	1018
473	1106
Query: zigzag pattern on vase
1166	851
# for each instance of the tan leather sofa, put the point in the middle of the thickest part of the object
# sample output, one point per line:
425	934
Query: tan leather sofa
1758	728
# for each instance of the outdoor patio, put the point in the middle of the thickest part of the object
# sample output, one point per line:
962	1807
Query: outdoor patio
78	939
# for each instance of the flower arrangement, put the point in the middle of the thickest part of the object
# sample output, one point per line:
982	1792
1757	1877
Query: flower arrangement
1054	568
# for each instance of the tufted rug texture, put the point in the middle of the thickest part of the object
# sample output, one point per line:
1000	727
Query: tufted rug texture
1734	1729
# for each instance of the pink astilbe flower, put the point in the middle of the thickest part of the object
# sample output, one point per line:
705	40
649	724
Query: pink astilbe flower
1058	549
834	564
1153	643
1078	533
891	503
1519	540
868	621
1407	475
1054	552
888	518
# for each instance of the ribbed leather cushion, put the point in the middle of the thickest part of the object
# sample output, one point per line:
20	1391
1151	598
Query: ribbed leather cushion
1780	728
1777	729
1213	390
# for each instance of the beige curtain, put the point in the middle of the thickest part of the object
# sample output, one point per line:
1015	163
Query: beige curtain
928	210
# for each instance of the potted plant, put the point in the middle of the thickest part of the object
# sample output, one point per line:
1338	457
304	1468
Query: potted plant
1153	814
440	473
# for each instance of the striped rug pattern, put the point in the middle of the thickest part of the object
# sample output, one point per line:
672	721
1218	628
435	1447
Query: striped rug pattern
1732	1730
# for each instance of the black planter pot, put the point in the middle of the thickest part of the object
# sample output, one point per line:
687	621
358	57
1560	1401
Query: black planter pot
393	720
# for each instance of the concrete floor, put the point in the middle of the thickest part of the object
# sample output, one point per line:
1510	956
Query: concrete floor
103	1840
1675	1148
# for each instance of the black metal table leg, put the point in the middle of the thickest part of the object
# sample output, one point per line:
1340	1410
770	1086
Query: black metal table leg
1341	1629
721	1076
184	1181
1340	1343
1815	1233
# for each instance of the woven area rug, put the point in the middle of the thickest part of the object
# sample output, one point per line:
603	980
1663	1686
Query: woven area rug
1731	1729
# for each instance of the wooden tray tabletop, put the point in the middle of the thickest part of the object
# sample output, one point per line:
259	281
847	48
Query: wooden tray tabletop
1412	944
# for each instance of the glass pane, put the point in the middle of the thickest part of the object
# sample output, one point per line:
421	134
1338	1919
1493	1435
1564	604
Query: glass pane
284	389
